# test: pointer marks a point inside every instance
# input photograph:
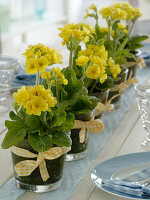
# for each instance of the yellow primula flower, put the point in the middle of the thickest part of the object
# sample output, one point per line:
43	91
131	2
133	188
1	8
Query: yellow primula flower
36	106
106	12
21	96
41	63
92	7
120	26
82	60
30	66
39	56
112	12
65	81
103	77
45	75
125	31
35	99
56	56
80	32
114	68
86	14
93	71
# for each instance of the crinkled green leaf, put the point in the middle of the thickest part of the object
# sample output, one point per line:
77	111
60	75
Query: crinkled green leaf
60	138
13	116
68	123
18	124
59	119
33	122
40	143
12	137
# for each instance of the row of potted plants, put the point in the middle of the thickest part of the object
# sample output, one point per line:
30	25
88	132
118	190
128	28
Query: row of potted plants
55	116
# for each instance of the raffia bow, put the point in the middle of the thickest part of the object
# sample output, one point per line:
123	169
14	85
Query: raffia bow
94	126
26	167
140	62
100	108
124	85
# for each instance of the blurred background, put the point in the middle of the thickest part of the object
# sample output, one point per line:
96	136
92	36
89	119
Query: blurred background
24	22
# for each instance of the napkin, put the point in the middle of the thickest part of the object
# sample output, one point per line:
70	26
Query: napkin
128	185
24	79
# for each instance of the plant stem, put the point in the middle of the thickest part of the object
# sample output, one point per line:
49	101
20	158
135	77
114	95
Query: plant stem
82	78
21	117
57	92
93	86
70	59
131	28
37	77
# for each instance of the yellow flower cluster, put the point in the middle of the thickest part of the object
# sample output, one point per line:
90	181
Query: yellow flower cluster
104	30
91	7
80	31
114	68
113	12
35	99
39	56
97	57
122	27
55	76
131	12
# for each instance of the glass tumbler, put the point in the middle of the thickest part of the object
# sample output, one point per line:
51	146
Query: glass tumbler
143	100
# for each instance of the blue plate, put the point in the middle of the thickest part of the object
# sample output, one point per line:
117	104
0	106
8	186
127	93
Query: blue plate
120	167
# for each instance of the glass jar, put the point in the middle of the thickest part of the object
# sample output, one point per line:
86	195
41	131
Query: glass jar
103	96
123	77
132	65
34	181
78	149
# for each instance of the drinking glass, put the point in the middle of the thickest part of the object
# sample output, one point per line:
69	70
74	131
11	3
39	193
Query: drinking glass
143	100
8	66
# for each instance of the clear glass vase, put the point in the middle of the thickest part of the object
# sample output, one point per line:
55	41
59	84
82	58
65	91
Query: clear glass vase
116	102
34	182
143	100
78	149
103	96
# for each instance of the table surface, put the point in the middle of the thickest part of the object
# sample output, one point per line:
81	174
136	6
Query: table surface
126	138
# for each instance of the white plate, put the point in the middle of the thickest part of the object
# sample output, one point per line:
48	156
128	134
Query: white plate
120	167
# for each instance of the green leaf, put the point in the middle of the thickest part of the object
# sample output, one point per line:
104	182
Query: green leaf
13	116
43	118
12	137
33	122
138	38
120	60
40	143
93	102
70	75
60	138
69	122
15	105
123	44
18	124
44	83
59	119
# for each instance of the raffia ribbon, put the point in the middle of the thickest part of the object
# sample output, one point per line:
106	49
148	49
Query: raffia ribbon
94	126
140	62
124	85
100	108
26	167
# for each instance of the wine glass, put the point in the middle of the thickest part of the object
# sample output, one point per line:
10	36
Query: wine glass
142	92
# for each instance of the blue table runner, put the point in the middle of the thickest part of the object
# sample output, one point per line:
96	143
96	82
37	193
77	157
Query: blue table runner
74	171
